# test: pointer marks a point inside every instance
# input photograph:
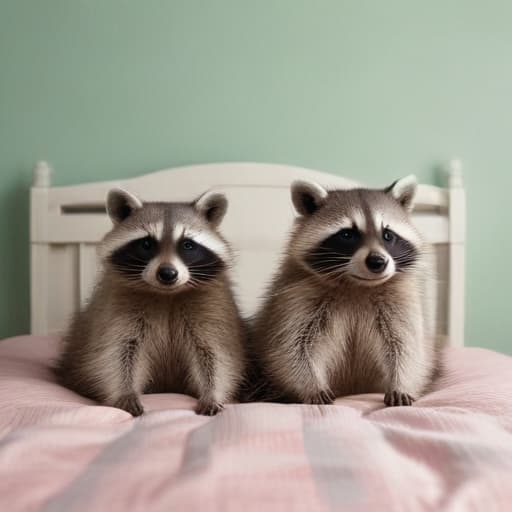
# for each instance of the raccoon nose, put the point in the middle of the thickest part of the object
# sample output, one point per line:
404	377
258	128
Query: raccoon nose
376	263
166	274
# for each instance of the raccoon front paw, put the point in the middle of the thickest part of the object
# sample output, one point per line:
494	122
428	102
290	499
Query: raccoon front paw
208	408
397	398
130	403
324	397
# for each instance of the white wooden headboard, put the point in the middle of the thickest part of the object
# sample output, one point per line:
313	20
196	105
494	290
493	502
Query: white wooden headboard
68	222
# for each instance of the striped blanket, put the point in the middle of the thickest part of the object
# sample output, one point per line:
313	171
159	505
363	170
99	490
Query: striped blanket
451	451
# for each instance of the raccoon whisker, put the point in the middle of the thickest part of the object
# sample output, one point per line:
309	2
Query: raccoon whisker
128	276
132	279
333	260
203	265
319	250
329	260
406	252
405	260
207	271
206	268
194	283
327	255
407	255
330	254
331	266
202	271
410	266
129	264
328	271
332	274
136	273
199	276
332	271
134	258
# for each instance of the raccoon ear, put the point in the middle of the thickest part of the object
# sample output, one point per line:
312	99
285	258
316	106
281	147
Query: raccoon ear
404	191
212	206
307	196
121	204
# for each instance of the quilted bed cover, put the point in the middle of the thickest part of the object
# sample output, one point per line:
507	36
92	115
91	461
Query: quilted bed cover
450	451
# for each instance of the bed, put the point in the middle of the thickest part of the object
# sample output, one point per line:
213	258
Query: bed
60	452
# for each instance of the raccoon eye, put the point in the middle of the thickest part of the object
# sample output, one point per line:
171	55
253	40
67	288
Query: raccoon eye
188	244
348	234
388	235
147	243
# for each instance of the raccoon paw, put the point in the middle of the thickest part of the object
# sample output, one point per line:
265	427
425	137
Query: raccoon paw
397	398
130	403
324	397
208	408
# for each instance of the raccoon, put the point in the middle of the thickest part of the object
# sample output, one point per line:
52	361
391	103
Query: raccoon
162	317
345	312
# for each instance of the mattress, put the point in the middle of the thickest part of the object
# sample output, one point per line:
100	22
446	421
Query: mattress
450	451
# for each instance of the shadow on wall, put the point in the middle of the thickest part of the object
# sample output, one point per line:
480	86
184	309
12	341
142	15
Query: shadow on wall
14	254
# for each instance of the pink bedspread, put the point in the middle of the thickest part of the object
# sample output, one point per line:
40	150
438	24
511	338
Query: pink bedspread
451	451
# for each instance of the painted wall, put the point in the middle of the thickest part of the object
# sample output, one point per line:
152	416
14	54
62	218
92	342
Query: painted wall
372	90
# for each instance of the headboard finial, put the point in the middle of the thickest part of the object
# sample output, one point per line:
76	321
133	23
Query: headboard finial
42	177
454	170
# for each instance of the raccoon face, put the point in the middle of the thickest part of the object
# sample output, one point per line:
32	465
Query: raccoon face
362	235
166	247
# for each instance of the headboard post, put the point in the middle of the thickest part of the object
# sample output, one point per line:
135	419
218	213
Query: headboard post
457	227
39	251
42	175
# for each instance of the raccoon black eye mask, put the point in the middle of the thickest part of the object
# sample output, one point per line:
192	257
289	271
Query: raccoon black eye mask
162	317
132	258
337	250
202	263
344	311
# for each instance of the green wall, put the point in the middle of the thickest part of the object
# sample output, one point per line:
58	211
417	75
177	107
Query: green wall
369	89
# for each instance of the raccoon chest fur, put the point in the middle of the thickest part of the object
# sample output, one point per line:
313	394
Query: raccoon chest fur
166	345
162	354
338	337
356	347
